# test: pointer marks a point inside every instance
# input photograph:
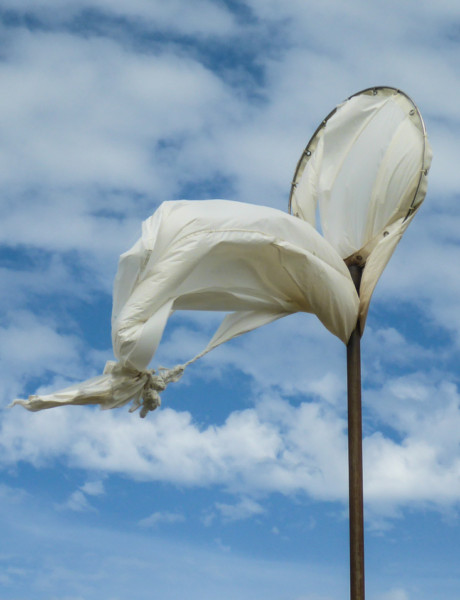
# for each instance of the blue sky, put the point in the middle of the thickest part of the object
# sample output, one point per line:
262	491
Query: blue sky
237	486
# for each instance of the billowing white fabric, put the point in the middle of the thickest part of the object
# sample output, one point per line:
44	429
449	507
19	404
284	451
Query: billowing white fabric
365	170
257	262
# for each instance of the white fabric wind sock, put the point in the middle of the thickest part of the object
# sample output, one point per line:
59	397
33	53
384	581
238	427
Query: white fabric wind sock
257	262
365	168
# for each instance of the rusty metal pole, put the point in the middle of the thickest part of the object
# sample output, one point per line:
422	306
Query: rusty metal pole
355	456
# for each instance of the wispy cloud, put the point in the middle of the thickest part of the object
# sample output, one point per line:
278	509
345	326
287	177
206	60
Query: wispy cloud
93	488
79	499
395	594
113	107
274	447
165	517
244	509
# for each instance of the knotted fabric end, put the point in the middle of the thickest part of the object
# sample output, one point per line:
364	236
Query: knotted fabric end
156	383
117	386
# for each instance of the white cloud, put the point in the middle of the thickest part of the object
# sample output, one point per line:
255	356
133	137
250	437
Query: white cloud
96	116
93	488
176	15
423	467
423	271
394	594
41	352
27	339
101	119
314	597
88	111
30	347
56	551
47	275
273	447
282	355
77	501
244	509
162	517
100	125
96	131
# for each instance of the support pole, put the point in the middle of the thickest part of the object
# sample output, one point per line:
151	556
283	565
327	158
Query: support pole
355	456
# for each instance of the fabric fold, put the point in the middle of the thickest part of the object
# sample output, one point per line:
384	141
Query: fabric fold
116	387
365	172
257	263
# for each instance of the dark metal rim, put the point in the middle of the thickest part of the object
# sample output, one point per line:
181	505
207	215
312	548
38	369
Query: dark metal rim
306	153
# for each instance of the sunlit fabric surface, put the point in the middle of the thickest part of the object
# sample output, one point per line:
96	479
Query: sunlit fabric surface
366	174
364	169
255	262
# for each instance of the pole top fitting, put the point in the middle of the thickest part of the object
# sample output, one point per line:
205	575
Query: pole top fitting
356	271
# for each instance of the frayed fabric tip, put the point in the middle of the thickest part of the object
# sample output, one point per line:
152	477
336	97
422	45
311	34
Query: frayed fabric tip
117	386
